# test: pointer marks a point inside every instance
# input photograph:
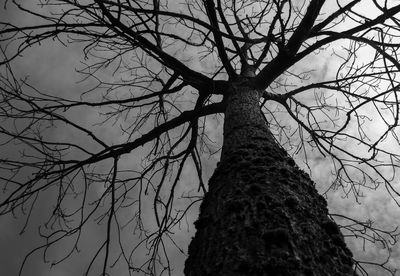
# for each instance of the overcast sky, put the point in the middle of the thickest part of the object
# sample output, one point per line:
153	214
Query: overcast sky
52	68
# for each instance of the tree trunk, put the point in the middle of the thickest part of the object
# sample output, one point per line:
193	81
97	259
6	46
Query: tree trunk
262	215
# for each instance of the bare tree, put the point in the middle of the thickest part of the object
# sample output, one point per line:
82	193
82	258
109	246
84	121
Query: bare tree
165	72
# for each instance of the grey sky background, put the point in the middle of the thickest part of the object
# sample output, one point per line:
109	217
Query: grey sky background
51	68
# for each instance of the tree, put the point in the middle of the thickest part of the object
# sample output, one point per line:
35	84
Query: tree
162	74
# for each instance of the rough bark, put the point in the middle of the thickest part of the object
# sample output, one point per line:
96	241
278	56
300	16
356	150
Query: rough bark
262	214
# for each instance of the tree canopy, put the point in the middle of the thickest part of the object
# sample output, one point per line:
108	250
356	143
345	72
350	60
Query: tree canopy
130	149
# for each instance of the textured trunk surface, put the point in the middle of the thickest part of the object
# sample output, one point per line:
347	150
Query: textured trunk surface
262	214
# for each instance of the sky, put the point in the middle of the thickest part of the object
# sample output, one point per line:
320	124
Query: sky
52	68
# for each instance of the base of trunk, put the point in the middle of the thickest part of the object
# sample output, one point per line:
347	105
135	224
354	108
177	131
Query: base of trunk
265	219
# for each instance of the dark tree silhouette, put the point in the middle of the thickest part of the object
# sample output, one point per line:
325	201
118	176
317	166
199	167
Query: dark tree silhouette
163	74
